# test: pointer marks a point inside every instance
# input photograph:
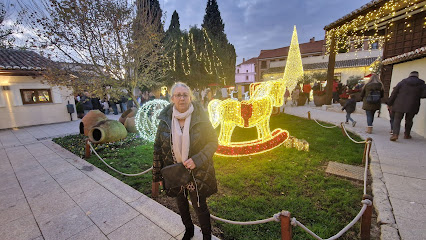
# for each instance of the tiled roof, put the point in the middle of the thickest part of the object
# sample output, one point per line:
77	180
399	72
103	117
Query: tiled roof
250	61
12	59
342	64
305	48
418	53
339	64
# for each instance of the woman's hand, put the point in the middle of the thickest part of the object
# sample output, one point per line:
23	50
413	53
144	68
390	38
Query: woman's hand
189	164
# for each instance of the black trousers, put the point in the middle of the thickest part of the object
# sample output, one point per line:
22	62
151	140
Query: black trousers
202	211
408	122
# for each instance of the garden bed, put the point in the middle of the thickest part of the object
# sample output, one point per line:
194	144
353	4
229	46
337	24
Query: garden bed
259	186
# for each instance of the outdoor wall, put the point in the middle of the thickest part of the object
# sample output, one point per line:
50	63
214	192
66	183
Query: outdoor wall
244	71
400	72
13	113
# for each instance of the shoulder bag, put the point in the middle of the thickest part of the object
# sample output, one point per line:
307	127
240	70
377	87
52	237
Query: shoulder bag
175	175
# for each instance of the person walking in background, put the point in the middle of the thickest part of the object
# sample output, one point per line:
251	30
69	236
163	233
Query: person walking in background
87	103
105	106
307	90
405	100
185	135
350	106
335	91
295	95
371	95
286	95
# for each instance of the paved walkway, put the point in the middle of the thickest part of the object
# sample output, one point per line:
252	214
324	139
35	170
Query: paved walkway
47	192
398	170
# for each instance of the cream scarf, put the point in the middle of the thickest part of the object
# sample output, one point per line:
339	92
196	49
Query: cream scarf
181	139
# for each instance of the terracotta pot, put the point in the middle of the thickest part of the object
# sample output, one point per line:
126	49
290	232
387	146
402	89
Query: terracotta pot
130	125
319	100
107	131
302	100
128	113
90	120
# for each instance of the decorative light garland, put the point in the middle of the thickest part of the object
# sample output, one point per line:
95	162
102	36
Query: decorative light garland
146	118
375	20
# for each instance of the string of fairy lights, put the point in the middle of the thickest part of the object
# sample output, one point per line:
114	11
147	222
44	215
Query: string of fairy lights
368	25
146	118
209	59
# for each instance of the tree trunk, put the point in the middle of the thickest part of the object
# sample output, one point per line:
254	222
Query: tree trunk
330	72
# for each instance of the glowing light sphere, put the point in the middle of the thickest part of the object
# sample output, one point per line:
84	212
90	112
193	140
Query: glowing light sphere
146	118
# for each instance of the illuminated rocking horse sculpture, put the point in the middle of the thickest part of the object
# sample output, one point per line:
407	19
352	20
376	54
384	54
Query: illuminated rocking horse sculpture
256	112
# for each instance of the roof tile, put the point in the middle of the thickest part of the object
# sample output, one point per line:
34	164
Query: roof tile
13	59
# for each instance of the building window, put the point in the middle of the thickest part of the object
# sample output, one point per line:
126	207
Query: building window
246	78
246	70
375	45
263	64
32	96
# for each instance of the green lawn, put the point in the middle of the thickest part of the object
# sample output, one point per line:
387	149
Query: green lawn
258	186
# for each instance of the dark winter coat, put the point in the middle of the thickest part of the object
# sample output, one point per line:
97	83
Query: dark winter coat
87	103
350	105
375	86
405	97
203	144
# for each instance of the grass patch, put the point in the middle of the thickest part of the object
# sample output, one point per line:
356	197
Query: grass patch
258	186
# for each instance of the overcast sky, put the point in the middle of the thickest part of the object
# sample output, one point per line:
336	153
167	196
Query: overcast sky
253	25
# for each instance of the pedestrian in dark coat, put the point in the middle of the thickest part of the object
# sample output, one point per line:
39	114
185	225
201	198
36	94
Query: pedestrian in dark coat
87	103
186	135
350	107
374	85
405	100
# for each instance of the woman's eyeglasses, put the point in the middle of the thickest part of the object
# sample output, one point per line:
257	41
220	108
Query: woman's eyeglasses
179	96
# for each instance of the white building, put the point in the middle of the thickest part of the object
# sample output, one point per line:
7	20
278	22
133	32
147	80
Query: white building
24	99
245	73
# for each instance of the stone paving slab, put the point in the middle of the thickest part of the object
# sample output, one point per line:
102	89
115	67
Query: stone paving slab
66	224
160	216
406	188
24	228
125	192
90	233
106	210
139	228
14	211
345	170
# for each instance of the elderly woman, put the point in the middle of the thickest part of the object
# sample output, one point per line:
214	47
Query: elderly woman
372	93
185	135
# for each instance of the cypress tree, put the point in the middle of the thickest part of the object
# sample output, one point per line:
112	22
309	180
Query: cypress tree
173	43
215	27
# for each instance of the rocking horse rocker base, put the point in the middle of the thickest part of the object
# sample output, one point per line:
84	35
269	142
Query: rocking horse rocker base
256	146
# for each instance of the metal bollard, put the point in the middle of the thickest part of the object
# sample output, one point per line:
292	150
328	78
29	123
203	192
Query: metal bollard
87	152
285	225
366	219
309	115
